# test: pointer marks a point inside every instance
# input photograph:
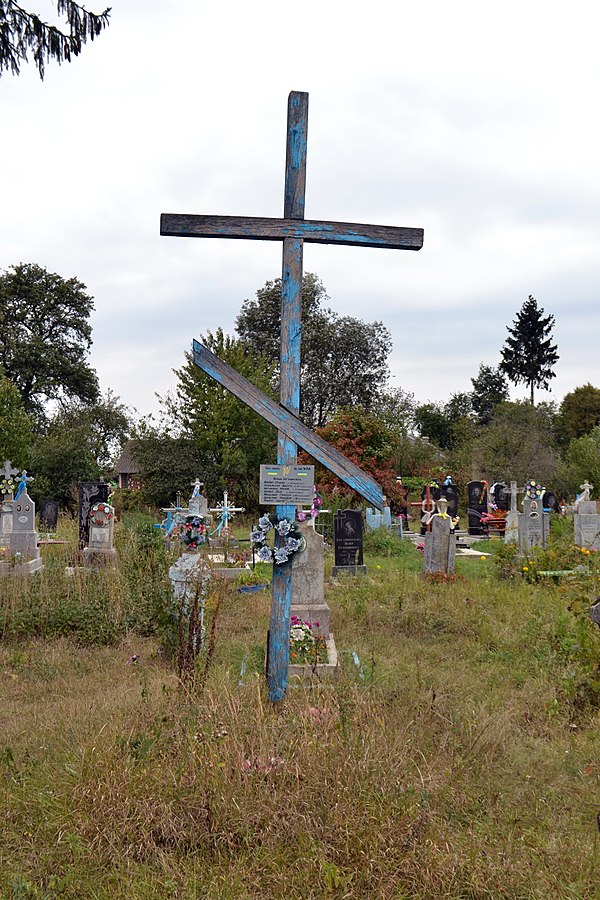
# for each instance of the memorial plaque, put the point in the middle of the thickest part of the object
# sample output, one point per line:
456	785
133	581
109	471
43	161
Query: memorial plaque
289	485
348	541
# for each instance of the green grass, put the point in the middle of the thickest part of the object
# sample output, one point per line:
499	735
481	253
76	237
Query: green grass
459	759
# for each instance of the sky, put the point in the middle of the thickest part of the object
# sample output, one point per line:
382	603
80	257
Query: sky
475	121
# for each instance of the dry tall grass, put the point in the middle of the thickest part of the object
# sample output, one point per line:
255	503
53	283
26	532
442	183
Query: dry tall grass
450	763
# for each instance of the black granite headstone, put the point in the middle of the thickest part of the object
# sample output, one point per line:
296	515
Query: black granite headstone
500	496
551	501
450	492
476	505
90	492
348	541
48	515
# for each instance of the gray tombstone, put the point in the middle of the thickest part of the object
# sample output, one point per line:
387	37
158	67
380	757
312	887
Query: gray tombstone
586	521
511	532
348	542
23	542
440	543
308	582
190	579
534	524
100	550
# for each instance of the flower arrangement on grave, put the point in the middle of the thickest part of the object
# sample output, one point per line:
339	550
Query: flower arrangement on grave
533	490
292	539
193	532
315	509
305	645
99	509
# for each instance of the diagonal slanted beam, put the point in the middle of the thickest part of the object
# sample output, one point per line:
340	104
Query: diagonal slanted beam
287	423
310	231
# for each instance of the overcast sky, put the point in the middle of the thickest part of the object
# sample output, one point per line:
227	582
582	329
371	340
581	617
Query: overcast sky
475	121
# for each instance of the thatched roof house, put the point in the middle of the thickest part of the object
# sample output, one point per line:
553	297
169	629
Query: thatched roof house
127	470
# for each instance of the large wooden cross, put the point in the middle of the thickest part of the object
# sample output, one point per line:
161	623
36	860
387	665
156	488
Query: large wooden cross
294	230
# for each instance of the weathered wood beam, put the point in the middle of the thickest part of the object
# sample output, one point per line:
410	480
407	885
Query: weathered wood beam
311	231
289	424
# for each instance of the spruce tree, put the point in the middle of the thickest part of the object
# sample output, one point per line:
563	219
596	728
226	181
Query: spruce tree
529	354
22	31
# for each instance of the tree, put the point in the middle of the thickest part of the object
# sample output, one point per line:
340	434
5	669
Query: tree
343	360
582	462
445	424
518	443
22	31
79	444
396	408
369	443
580	411
221	439
45	337
528	354
490	388
15	425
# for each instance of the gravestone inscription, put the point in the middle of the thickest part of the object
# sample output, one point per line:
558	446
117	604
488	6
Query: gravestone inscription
348	542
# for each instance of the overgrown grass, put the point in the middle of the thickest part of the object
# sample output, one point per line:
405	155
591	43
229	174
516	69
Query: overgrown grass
449	758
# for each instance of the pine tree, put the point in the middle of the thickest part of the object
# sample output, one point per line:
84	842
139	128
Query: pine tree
22	32
529	354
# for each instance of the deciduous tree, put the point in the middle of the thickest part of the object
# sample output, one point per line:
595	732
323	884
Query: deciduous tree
580	411
215	435
343	359
45	337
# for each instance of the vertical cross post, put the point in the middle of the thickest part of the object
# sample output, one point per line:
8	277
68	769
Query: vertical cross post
289	386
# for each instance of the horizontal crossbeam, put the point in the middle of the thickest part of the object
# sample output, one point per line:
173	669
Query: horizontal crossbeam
289	424
311	231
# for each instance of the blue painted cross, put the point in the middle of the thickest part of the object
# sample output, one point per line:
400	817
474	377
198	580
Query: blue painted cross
294	230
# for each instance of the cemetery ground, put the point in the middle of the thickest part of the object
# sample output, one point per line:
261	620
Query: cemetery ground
455	755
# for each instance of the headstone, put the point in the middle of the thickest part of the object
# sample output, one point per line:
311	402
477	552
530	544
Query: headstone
511	531
477	505
23	539
449	490
500	496
373	519
49	515
348	541
100	550
534	523
551	502
586	521
198	504
190	579
90	492
308	581
440	543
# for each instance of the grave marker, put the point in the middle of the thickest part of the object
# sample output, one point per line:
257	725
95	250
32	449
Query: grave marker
90	492
293	230
586	521
348	542
440	543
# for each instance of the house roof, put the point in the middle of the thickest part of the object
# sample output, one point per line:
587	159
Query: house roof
126	463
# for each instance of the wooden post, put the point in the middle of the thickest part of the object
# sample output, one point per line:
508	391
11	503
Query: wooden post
289	386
